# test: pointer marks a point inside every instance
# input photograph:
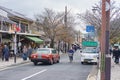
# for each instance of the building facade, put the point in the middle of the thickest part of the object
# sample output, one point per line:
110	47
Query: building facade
13	23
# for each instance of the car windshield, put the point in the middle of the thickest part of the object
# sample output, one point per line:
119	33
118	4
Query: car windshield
89	50
43	51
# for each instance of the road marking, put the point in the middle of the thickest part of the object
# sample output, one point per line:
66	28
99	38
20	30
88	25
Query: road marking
34	74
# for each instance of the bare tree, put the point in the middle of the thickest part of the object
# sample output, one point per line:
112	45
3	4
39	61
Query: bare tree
48	21
94	18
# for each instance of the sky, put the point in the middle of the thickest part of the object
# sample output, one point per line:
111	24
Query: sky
31	7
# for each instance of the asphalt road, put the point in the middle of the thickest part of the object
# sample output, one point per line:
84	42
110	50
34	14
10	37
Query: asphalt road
60	71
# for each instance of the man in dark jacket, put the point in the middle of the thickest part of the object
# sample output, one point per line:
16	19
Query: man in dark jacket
6	52
70	54
116	54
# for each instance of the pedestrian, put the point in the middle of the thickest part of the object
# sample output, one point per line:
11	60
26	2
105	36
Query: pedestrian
1	51
29	51
110	51
24	55
2	47
6	53
116	54
70	54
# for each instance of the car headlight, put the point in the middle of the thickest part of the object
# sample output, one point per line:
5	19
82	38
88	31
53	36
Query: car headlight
82	55
95	56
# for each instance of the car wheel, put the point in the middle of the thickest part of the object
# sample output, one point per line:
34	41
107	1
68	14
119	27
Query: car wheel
35	63
54	61
95	63
51	62
58	61
82	62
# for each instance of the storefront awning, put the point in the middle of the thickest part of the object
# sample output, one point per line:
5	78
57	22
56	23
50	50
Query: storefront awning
35	39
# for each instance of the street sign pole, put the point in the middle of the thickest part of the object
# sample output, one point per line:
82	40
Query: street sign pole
15	46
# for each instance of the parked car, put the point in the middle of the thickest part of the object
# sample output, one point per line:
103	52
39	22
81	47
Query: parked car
89	55
45	55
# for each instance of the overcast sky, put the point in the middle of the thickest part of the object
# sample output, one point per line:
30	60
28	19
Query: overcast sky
31	7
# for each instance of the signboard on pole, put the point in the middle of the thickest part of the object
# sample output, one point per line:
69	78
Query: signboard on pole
90	28
89	43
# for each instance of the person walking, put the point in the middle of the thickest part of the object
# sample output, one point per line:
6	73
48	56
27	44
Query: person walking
1	50
70	54
116	54
29	51
24	55
6	53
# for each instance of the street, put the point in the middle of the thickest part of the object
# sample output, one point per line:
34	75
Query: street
60	71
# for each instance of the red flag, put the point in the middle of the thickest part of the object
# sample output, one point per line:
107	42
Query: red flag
16	28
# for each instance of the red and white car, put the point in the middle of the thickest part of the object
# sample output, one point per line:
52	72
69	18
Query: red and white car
44	55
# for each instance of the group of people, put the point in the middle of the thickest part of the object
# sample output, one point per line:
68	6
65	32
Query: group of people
5	52
26	52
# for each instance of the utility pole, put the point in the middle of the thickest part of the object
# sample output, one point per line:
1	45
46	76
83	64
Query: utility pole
105	58
15	46
65	21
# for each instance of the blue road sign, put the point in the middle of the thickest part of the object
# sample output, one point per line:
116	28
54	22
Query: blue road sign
90	28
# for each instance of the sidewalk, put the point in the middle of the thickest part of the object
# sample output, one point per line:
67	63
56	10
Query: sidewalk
5	64
115	72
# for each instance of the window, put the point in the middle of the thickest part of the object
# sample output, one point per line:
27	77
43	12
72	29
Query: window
24	27
5	26
43	51
54	51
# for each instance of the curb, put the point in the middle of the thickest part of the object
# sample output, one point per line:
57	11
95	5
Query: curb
14	64
93	74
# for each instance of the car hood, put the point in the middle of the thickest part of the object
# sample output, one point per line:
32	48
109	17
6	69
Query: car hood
89	54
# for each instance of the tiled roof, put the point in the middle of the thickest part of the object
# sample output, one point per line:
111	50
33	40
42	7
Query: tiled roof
13	13
6	20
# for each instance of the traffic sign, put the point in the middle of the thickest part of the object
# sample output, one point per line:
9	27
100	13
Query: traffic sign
90	28
89	43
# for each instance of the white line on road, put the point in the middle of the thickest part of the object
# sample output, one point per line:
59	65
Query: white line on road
34	74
